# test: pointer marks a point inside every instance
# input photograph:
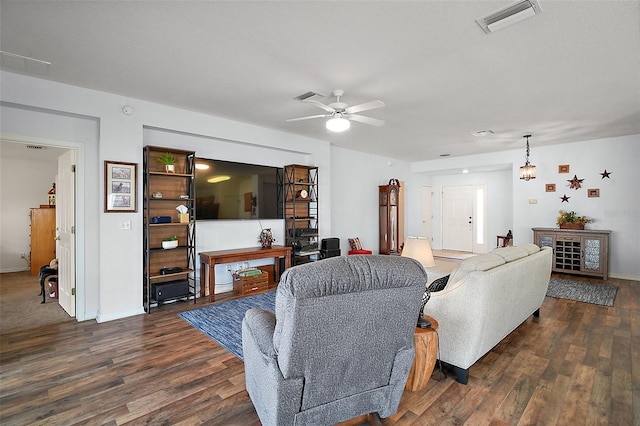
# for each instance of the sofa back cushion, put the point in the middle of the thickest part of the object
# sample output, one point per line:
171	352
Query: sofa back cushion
509	254
483	262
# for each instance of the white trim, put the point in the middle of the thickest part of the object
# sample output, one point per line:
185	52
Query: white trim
81	314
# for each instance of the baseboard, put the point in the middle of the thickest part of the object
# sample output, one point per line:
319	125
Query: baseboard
625	277
118	315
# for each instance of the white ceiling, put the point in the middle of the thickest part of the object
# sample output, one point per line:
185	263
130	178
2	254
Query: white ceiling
571	73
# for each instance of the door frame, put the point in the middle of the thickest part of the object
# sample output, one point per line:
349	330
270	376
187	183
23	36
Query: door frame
79	210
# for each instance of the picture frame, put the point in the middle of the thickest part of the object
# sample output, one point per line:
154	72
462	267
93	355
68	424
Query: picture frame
550	187
563	168
593	193
120	187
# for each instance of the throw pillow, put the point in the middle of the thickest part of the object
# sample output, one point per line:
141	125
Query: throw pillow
439	284
355	243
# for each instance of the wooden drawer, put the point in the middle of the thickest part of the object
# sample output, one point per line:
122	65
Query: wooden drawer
252	284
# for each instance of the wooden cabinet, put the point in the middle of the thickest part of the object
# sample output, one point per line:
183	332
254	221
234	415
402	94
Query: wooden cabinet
300	202
390	218
43	238
163	192
584	252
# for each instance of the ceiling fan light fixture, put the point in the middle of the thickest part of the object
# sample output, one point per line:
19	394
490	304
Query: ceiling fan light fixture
338	124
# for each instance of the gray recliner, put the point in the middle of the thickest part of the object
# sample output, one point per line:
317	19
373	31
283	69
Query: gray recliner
340	344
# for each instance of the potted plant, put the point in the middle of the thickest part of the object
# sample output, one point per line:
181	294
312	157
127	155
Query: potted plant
169	161
170	243
266	238
571	220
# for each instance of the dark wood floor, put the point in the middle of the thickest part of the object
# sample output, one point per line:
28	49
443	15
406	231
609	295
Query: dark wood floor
577	364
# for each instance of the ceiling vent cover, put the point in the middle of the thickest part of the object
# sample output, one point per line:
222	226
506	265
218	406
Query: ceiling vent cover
509	15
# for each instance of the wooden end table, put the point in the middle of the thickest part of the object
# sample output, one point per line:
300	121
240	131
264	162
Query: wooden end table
425	341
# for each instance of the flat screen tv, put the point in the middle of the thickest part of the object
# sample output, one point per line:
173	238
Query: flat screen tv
230	190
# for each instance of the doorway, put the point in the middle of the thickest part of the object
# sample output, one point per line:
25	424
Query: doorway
75	211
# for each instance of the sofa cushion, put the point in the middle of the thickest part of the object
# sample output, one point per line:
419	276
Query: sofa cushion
354	243
509	254
483	262
531	248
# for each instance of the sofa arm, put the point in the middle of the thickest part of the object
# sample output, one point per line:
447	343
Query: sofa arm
259	325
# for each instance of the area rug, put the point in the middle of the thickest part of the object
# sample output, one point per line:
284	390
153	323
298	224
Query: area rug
598	294
223	322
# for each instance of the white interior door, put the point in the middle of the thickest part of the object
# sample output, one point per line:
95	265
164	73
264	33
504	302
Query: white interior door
65	228
457	218
426	229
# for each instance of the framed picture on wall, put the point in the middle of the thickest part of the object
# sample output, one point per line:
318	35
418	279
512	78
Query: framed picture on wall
563	168
120	187
593	193
550	187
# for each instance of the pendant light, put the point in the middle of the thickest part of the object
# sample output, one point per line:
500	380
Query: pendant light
528	171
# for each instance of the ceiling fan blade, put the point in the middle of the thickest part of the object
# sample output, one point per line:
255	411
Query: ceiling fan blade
364	107
366	120
320	104
309	116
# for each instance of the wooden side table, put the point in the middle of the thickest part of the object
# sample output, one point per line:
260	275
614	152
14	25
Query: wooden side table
425	341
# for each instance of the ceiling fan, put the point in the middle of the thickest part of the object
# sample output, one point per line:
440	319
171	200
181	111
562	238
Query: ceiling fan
340	112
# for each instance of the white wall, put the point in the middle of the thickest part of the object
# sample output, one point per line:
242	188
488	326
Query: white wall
617	209
110	281
23	185
356	177
113	257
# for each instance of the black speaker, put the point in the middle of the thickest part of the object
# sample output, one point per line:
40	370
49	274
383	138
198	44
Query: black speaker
330	244
329	253
170	290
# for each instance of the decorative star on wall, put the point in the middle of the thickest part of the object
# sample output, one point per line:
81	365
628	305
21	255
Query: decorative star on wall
564	198
605	174
575	182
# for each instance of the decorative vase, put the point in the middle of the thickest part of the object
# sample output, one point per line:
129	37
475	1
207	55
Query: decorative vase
266	238
170	168
570	225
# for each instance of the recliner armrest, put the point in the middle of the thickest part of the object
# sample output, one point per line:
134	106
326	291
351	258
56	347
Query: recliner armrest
262	323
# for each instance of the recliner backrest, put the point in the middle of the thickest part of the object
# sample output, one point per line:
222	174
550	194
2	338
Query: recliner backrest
340	322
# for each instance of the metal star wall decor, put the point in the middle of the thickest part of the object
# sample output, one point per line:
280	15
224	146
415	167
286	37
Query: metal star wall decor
564	198
606	174
575	182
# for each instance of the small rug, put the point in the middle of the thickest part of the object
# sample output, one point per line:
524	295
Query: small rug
598	294
223	322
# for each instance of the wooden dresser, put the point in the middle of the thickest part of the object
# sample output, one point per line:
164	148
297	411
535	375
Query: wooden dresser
43	234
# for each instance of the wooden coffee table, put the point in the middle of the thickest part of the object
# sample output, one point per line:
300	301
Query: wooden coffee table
425	341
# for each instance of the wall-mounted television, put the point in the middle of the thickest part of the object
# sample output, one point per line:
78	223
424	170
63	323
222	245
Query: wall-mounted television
230	190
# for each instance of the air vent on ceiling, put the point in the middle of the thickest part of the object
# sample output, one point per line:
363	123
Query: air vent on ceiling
509	15
24	63
36	147
308	95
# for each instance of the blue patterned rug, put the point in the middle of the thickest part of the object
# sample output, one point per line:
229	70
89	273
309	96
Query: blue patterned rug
222	322
598	294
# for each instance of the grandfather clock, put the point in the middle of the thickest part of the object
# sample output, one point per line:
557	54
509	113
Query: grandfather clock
390	217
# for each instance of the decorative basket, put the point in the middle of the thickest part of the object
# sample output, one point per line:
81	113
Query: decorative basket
570	225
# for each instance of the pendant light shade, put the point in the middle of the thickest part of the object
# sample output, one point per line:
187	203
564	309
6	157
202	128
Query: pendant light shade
528	171
338	124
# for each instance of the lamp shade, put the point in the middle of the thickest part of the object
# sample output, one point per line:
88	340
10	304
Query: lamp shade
419	248
338	124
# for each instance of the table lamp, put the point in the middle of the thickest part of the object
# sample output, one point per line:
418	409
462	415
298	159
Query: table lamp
419	248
